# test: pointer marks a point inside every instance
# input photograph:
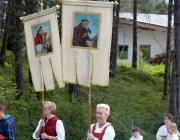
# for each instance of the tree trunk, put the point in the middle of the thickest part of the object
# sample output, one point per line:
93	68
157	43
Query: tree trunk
19	70
3	6
30	78
175	89
5	38
168	51
16	26
3	48
173	94
113	55
74	89
134	58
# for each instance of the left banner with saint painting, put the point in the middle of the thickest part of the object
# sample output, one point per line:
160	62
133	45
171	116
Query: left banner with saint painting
43	49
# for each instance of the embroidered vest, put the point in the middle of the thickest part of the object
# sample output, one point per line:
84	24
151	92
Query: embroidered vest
99	135
50	126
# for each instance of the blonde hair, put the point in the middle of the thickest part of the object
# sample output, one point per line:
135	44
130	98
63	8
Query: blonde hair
173	127
105	106
51	106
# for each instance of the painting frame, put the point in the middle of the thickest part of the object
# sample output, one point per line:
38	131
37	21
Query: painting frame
46	47
93	21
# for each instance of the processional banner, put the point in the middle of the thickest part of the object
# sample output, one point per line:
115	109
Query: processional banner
86	42
43	49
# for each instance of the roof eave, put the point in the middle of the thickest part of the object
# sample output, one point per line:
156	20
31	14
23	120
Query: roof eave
144	25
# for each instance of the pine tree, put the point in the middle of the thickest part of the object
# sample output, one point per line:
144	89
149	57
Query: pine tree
168	50
175	84
113	54
134	57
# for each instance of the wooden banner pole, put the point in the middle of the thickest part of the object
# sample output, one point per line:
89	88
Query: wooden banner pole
42	98
42	93
89	109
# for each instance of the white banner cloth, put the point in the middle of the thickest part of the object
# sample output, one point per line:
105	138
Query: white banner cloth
86	63
44	49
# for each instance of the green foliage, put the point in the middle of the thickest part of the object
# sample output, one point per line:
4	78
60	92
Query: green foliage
132	94
142	65
123	52
7	83
156	70
124	55
145	6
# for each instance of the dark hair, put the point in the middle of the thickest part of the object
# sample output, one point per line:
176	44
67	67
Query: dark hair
40	27
2	105
85	19
136	129
169	116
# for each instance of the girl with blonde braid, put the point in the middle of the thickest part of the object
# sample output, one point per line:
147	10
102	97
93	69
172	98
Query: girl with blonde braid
173	132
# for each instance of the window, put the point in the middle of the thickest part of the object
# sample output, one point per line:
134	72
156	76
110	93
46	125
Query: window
123	51
146	52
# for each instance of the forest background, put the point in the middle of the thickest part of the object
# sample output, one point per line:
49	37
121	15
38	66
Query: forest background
134	95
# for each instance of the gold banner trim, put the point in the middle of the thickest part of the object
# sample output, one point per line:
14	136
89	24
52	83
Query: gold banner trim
39	14
89	3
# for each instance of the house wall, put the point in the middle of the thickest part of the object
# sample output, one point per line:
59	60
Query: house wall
157	40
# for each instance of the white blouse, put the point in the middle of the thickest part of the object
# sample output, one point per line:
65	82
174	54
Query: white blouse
161	132
137	138
59	130
109	133
172	137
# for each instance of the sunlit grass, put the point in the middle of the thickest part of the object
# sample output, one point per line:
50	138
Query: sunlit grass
155	70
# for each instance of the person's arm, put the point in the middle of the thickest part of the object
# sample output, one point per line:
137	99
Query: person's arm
95	138
60	130
158	135
10	131
90	136
79	36
109	133
76	35
45	136
37	132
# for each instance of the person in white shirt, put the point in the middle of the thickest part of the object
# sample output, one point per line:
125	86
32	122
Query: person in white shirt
136	134
53	126
162	132
173	132
102	130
